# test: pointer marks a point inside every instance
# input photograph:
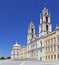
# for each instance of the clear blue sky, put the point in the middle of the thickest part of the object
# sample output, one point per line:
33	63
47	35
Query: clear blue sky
15	16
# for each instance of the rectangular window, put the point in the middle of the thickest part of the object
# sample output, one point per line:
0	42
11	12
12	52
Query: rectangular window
58	56
51	41
54	47
41	43
36	45
58	38
28	47
58	48
51	56
46	57
46	43
37	52
54	40
40	50
46	46
51	48
40	58
48	49
54	56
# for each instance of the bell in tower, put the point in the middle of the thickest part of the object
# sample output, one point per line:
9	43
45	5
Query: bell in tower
45	26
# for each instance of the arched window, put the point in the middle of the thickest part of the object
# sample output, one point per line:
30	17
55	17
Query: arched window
45	13
46	19
14	54
32	36
17	54
32	30
47	27
42	19
41	28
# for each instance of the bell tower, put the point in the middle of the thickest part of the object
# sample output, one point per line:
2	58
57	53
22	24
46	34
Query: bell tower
45	26
31	32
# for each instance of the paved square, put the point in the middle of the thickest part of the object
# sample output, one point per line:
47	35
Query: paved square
8	62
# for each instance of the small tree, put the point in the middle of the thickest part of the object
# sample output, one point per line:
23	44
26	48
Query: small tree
8	57
2	58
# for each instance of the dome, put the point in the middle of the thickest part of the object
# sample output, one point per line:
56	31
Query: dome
57	27
16	45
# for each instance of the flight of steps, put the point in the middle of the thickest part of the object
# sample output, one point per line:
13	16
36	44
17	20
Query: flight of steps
26	59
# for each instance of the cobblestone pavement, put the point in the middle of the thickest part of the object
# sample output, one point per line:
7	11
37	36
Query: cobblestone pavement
8	62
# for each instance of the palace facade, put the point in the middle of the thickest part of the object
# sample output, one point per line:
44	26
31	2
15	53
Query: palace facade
42	47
